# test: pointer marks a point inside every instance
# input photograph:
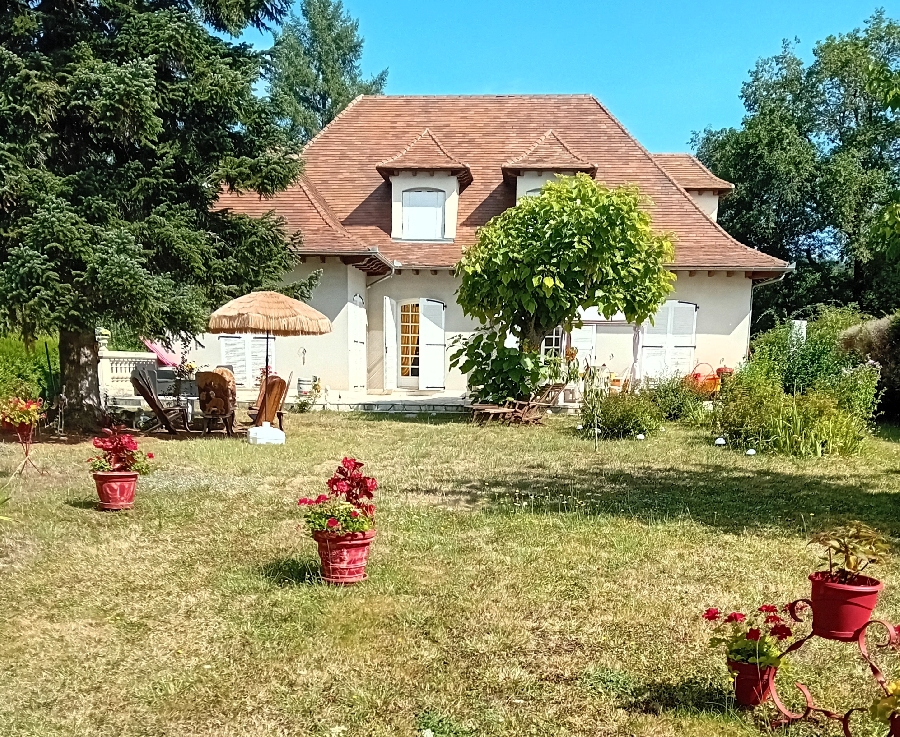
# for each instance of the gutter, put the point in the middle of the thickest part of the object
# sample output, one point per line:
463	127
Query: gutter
380	279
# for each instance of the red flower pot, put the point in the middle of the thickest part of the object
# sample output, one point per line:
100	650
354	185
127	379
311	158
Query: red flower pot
23	429
344	556
752	683
841	609
116	489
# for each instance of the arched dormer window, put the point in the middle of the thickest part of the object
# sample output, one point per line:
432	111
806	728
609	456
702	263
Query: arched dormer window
423	214
533	192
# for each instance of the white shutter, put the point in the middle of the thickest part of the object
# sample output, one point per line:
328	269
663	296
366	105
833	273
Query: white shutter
683	339
423	214
258	356
234	354
358	363
583	339
668	344
390	344
432	349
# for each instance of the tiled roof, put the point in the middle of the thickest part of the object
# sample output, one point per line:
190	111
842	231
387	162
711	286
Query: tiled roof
487	132
425	152
307	214
548	152
690	173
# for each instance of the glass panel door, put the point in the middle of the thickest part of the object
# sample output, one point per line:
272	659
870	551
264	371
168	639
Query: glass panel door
409	344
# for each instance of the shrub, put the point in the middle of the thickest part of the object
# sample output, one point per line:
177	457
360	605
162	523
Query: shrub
879	341
620	415
759	415
348	506
25	373
497	372
677	397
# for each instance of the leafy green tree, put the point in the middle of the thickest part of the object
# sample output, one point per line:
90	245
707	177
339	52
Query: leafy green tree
315	69
119	125
577	244
814	163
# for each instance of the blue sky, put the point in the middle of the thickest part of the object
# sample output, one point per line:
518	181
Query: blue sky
665	68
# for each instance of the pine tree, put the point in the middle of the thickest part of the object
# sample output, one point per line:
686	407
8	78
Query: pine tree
119	125
315	68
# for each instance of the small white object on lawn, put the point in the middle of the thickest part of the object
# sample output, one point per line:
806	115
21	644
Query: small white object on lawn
720	441
579	427
641	436
265	435
751	452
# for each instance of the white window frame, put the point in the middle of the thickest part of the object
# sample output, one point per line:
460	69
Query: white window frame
407	211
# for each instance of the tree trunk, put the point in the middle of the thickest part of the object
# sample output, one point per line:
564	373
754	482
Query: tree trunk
78	361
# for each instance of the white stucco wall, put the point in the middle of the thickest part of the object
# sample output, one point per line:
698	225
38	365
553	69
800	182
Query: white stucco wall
448	183
723	321
529	180
407	285
707	201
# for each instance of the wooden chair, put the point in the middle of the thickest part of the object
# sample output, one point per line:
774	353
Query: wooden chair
535	409
172	419
218	399
272	407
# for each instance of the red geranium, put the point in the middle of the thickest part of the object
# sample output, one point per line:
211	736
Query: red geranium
753	638
348	507
120	453
768	609
711	614
754	633
781	631
735	617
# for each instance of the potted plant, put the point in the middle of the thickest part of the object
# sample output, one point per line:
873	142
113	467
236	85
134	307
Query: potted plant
752	648
342	523
117	467
21	415
886	709
842	598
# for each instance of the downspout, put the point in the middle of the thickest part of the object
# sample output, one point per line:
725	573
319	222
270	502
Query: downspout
764	283
380	279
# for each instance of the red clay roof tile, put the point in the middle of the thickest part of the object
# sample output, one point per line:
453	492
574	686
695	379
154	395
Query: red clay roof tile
690	173
486	131
549	152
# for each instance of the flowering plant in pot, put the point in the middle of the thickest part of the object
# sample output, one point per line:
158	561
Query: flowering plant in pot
842	598
752	647
117	467
342	523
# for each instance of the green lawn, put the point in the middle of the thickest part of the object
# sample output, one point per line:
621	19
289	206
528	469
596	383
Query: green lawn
520	584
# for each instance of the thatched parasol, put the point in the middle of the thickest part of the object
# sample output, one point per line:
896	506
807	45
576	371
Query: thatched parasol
270	313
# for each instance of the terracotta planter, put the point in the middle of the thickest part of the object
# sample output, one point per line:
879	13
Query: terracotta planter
116	489
752	683
840	610
344	556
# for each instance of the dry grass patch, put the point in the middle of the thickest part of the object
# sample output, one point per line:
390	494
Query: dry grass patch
521	584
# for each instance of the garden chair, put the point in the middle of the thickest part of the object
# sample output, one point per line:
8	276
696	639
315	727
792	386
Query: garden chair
217	399
533	411
271	408
172	419
482	413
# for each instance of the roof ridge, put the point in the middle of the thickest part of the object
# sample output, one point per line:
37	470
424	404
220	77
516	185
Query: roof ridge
334	120
681	189
329	217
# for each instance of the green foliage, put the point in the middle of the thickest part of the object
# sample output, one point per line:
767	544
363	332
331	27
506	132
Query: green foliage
119	130
857	546
25	373
315	69
879	341
620	415
755	638
753	412
440	725
577	244
813	163
677	397
496	373
319	518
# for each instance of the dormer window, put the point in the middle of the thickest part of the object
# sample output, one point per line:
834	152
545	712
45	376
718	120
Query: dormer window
425	185
423	214
548	158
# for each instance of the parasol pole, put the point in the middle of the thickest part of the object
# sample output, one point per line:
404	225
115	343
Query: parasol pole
266	379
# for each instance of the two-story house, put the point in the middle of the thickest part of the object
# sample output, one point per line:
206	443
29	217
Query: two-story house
394	190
